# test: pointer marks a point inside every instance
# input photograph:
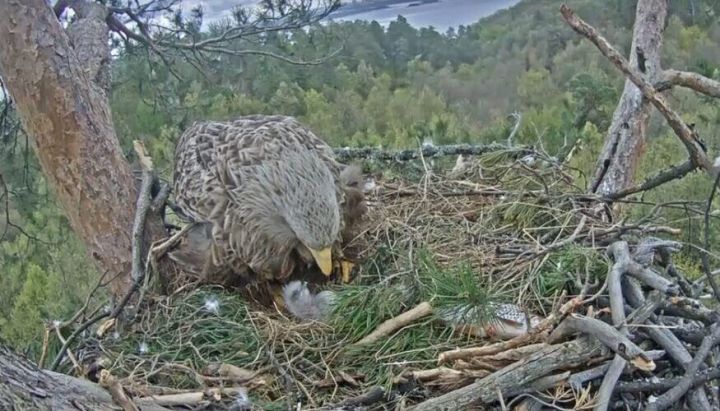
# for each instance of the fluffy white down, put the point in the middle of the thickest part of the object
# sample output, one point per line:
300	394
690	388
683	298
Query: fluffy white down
305	305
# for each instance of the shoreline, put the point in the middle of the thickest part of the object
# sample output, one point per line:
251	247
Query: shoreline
348	10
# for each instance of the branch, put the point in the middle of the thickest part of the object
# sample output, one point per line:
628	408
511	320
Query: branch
421	310
675	172
666	383
427	150
138	270
686	135
706	229
693	81
673	395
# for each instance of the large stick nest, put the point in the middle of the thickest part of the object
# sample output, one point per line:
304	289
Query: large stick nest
511	226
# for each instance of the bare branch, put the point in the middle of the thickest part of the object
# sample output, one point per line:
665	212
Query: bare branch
693	81
675	172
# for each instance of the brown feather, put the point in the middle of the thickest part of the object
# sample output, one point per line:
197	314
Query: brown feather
261	189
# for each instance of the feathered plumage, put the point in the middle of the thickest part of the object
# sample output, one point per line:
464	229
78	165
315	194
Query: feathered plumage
266	196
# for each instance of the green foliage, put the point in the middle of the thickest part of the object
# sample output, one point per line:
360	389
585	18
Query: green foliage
568	266
393	87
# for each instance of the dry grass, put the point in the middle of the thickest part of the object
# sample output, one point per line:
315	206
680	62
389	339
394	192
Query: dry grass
510	227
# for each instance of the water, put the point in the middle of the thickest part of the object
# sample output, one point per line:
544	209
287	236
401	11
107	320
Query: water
441	15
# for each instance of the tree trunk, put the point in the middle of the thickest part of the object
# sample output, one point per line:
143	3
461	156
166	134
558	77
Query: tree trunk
67	114
625	139
26	387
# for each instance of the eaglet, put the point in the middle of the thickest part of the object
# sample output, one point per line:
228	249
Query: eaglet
266	198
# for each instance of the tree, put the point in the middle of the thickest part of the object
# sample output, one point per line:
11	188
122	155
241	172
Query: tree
59	81
646	80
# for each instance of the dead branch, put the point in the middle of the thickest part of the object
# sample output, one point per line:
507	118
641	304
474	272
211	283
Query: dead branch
693	81
665	384
426	151
687	136
673	395
109	382
675	172
612	339
621	253
576	380
518	374
386	328
706	234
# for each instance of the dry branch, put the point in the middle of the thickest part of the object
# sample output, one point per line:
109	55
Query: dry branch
426	151
673	395
612	339
663	176
518	374
693	81
408	317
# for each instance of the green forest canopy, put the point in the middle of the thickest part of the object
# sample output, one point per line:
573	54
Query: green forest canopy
390	87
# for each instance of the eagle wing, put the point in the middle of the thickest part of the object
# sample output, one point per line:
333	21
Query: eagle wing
213	159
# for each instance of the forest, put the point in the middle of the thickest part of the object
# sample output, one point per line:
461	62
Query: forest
358	84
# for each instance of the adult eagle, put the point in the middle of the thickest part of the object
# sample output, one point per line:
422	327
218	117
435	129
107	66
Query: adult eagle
266	198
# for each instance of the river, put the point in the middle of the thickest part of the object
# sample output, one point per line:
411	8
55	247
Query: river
442	14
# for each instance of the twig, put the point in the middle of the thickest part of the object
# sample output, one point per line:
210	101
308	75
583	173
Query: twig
408	317
116	391
518	374
372	396
142	207
706	228
76	364
138	273
578	379
518	119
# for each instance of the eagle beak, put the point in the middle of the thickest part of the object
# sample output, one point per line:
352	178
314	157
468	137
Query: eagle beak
323	258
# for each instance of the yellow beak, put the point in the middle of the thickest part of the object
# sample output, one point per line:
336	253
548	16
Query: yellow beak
323	258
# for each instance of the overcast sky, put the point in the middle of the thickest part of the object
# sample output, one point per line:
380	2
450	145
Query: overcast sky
214	9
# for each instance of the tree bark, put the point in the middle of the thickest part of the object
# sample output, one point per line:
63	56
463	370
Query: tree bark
625	139
67	114
26	387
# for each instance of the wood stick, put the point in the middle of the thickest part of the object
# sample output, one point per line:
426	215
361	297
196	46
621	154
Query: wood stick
116	390
612	339
533	335
408	317
673	395
693	81
621	253
665	384
519	374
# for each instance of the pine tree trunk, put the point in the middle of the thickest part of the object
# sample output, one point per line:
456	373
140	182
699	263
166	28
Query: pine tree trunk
625	139
60	94
26	387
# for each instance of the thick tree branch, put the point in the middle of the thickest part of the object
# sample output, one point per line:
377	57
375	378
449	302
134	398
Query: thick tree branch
693	81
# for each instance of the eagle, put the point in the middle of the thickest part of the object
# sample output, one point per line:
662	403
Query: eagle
266	201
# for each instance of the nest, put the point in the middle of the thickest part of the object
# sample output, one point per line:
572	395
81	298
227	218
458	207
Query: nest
442	248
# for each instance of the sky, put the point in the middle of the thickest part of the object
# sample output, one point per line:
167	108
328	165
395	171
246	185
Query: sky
215	9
